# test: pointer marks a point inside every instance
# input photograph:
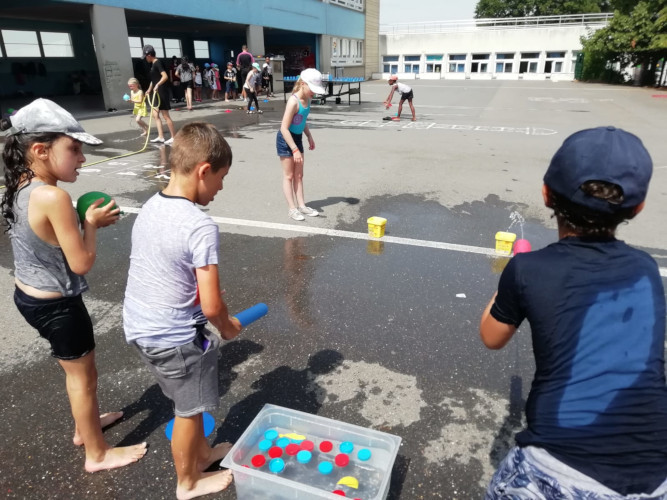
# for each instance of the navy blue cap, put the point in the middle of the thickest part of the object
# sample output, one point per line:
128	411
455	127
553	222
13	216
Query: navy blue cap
601	154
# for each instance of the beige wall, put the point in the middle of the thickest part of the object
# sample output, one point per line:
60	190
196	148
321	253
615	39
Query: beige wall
372	42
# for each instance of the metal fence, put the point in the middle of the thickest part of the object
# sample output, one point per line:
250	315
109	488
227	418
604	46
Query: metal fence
597	20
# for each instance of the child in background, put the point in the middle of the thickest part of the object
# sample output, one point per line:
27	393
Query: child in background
139	99
250	87
230	78
266	80
206	81
198	84
289	141
406	94
218	84
597	409
173	288
52	251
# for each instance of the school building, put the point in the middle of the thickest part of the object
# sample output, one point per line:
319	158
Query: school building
71	47
530	48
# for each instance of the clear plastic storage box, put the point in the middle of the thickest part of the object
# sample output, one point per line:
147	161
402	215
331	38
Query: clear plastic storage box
289	455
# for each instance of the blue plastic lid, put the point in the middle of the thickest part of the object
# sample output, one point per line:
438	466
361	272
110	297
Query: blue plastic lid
282	442
304	456
265	444
346	447
276	465
271	434
364	454
325	467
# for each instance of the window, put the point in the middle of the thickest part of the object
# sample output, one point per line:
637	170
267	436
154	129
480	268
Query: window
21	43
431	65
555	55
135	46
530	55
527	65
505	56
411	64
554	62
201	49
480	57
56	44
457	67
503	67
387	66
172	47
346	52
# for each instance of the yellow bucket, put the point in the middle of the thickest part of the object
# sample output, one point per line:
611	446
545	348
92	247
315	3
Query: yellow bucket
504	242
376	226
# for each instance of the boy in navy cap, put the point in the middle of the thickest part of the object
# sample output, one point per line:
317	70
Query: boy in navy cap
597	409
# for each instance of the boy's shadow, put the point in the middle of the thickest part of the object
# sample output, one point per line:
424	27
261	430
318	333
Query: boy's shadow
159	407
332	200
283	386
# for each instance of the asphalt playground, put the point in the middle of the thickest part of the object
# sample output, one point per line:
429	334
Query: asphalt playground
381	333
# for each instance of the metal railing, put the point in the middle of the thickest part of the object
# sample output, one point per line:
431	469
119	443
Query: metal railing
506	23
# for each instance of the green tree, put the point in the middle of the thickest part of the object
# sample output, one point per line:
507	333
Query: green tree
636	36
524	8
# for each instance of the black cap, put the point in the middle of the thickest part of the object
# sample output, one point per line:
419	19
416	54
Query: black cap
148	49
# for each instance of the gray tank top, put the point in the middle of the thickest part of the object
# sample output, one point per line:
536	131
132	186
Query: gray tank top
36	262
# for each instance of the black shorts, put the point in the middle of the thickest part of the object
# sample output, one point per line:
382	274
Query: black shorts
64	322
407	96
165	98
186	85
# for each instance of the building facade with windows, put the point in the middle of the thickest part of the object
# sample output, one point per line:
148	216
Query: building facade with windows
61	47
532	48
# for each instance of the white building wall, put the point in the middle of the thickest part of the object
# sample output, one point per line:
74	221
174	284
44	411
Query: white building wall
541	40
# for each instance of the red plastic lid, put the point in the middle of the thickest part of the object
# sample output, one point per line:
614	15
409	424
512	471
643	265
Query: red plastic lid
326	446
338	492
275	452
307	445
258	460
342	460
292	449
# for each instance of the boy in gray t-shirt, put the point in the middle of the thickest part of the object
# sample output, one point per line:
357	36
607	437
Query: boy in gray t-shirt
172	290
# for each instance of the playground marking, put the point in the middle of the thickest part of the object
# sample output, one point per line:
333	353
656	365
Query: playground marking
421	125
440	245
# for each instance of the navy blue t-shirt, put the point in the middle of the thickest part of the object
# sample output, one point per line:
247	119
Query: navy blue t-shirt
598	401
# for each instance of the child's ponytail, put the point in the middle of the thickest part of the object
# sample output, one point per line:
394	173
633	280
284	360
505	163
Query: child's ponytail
17	165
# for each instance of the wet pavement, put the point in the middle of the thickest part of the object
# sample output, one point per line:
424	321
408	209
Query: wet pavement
371	332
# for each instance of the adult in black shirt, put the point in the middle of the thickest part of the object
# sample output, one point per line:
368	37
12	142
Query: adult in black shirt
159	80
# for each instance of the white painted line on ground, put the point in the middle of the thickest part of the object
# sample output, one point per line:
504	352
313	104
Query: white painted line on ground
440	245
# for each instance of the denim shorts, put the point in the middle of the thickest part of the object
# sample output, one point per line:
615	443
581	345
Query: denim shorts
187	374
533	474
63	321
283	148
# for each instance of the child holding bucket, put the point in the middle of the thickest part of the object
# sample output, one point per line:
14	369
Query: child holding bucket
172	290
139	99
51	256
289	141
406	94
597	409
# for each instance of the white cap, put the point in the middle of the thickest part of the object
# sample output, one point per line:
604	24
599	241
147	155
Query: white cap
42	115
313	79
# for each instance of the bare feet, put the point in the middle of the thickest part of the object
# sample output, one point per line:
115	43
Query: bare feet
209	482
217	453
117	457
106	419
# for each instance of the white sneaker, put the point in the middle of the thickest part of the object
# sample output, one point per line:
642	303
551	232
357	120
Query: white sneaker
311	212
169	141
260	111
158	139
295	214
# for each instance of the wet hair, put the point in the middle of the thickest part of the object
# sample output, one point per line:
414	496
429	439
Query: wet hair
17	160
135	81
199	142
588	222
